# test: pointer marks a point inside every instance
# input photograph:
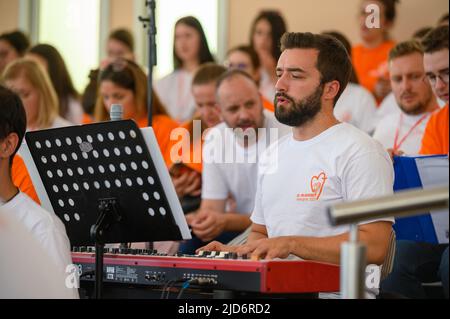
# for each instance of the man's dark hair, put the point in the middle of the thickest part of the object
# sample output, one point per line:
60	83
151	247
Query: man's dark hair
124	36
421	33
333	62
208	73
405	48
18	40
436	40
13	118
348	46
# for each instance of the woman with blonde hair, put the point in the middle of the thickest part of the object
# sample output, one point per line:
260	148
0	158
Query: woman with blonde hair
123	82
31	83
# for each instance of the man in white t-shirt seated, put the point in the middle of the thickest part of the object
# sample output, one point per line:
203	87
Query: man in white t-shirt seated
25	270
322	163
402	132
230	156
47	229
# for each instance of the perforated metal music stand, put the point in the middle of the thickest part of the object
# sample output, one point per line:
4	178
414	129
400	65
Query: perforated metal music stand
107	182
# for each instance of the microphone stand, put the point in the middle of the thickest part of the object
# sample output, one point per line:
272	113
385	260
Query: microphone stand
150	23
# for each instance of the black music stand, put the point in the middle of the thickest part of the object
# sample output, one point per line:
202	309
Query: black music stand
108	183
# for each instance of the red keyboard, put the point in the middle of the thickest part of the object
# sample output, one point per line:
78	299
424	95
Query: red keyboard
271	277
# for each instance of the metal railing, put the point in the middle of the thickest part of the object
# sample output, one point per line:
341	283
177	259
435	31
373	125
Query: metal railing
353	253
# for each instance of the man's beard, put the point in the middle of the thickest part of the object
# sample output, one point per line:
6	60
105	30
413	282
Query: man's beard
419	108
299	113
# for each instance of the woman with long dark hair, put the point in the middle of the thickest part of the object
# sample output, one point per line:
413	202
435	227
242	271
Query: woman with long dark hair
266	33
69	100
13	46
190	50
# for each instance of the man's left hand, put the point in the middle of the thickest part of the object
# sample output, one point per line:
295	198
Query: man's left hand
268	249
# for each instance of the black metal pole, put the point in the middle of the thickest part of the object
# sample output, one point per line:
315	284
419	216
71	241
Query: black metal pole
99	270
150	23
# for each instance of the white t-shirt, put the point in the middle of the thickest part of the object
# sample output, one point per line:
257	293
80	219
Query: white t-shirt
341	164
266	86
60	122
174	90
25	270
389	107
358	107
75	112
47	228
386	131
236	178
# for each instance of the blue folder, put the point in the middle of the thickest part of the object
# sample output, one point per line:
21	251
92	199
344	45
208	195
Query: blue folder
420	228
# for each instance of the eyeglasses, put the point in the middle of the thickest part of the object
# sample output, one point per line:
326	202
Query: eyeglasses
240	66
442	75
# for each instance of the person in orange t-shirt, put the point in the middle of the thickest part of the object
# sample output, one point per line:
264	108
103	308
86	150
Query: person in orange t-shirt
436	61
123	82
370	59
163	126
245	58
87	119
21	179
435	140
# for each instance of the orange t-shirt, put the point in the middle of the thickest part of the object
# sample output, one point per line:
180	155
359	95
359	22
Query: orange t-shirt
435	139
195	151
268	105
87	119
162	126
371	64
21	178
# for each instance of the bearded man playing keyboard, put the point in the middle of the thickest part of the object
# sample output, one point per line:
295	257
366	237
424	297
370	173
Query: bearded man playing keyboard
322	163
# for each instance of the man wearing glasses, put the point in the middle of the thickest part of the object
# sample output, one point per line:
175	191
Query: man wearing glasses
436	57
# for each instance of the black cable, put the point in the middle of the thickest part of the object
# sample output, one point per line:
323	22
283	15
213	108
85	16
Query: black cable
87	273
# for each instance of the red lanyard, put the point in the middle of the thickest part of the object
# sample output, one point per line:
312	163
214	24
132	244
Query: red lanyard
398	144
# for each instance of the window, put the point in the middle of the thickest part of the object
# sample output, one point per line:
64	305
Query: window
72	26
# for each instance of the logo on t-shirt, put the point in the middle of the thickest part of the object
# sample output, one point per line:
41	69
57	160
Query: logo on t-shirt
317	184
